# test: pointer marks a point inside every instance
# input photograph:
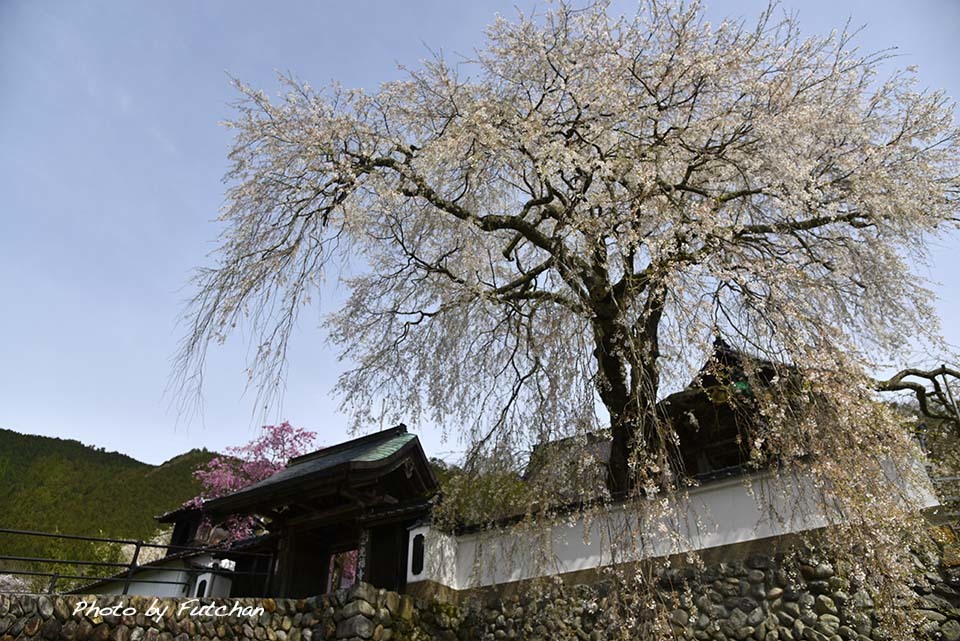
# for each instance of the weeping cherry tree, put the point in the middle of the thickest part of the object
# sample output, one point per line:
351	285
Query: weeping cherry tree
547	237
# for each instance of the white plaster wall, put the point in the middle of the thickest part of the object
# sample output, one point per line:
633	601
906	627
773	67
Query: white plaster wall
139	586
720	513
218	585
440	560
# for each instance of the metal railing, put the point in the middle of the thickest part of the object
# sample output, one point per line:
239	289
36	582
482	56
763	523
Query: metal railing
126	572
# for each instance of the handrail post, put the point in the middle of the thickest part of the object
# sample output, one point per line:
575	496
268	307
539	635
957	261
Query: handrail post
53	582
133	564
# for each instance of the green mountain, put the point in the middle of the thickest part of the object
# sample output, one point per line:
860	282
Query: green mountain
57	485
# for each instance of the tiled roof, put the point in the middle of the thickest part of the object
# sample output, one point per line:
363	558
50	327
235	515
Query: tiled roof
367	449
367	453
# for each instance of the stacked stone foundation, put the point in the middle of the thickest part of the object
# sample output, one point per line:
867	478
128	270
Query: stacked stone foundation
757	598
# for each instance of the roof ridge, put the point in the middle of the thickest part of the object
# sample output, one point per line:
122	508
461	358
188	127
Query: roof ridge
339	447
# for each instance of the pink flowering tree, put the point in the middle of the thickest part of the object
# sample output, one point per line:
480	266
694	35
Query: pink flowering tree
259	459
246	464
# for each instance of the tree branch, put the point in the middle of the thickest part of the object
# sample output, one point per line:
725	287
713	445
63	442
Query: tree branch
938	393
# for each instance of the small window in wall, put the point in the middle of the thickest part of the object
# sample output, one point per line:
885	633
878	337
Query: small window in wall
416	563
342	572
202	588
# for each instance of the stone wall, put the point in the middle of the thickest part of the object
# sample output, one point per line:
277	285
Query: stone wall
363	612
755	598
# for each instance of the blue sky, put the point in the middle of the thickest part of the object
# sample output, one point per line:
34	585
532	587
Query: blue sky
111	160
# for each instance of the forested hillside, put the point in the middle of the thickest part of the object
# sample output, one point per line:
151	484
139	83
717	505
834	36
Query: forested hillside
56	485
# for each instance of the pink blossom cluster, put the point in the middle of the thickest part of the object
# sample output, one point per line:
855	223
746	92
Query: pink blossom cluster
247	464
259	459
